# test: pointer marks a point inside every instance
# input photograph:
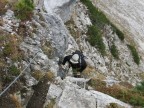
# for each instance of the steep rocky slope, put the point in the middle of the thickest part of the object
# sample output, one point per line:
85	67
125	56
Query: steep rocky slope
127	15
56	29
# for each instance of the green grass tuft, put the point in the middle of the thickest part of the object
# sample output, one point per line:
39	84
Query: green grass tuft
96	16
118	32
23	9
95	39
99	19
114	51
134	54
14	70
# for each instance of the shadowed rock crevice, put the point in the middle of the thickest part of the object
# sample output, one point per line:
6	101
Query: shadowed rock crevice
40	91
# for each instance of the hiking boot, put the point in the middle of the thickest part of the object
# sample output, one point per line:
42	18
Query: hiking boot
78	75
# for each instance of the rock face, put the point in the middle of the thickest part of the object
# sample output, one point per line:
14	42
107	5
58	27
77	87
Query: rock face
47	39
67	94
128	16
63	8
124	69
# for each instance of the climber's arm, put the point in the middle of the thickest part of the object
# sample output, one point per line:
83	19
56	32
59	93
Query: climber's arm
66	59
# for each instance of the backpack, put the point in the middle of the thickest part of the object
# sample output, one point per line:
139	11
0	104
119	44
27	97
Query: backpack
81	56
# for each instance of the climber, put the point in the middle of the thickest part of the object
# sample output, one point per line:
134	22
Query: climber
77	62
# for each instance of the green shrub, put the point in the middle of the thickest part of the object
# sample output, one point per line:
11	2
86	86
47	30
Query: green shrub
96	16
140	87
7	49
137	101
99	19
134	54
23	9
6	79
95	39
114	51
14	70
118	32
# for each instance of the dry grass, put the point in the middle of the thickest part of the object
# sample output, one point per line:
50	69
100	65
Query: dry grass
120	92
89	71
126	84
37	74
2	6
0	85
51	104
100	76
16	101
3	37
114	105
92	72
72	28
97	84
48	49
15	52
22	30
2	64
11	46
141	75
115	90
1	21
50	76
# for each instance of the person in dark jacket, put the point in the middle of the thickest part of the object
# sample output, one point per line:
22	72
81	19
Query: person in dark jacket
77	62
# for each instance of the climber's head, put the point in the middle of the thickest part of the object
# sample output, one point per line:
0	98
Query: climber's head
74	59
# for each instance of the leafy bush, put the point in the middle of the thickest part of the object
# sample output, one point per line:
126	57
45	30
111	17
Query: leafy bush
95	39
114	51
23	9
134	54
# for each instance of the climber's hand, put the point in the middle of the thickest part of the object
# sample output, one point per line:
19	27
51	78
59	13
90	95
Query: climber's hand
63	66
